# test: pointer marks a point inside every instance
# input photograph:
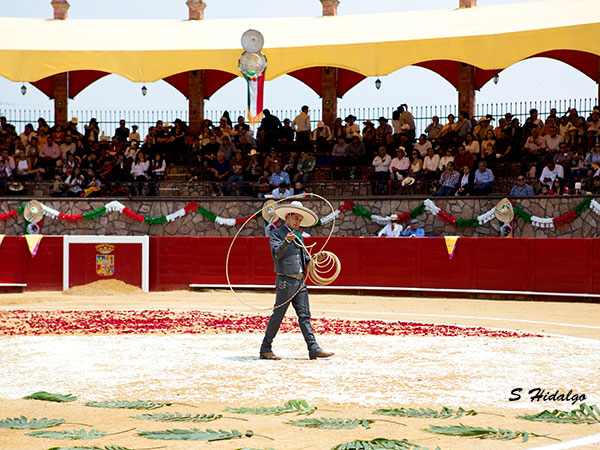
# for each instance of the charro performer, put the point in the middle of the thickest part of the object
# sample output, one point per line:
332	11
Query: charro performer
291	260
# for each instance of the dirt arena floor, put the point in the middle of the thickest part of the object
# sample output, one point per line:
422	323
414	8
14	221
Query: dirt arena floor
416	359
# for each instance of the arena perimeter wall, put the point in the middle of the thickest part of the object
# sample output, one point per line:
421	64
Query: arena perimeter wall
487	264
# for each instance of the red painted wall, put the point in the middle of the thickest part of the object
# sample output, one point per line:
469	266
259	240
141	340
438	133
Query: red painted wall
519	264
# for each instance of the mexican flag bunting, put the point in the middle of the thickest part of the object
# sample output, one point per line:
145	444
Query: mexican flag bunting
256	87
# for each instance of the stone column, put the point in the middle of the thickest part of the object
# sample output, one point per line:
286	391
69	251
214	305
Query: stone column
61	98
196	100
329	95
196	8
329	75
466	76
60	9
330	7
196	77
466	88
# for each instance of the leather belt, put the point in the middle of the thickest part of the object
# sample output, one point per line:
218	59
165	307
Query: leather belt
299	276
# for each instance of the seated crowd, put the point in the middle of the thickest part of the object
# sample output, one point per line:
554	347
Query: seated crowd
555	156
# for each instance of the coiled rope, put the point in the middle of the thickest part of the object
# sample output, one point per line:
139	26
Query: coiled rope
320	263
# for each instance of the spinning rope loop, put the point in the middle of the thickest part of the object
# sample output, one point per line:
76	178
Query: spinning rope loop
320	263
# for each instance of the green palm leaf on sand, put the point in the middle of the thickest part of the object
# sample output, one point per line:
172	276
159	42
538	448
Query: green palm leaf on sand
23	423
483	433
74	435
126	404
291	406
585	414
380	443
194	435
178	417
50	397
428	413
108	447
331	423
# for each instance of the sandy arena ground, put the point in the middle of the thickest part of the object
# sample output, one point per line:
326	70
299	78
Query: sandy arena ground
211	371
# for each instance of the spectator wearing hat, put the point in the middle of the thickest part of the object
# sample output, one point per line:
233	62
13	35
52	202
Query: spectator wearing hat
382	130
301	124
134	135
399	165
392	228
338	129
322	138
72	127
368	136
572	137
413	229
448	181
521	189
434	129
481	129
351	127
484	180
92	130
381	162
422	145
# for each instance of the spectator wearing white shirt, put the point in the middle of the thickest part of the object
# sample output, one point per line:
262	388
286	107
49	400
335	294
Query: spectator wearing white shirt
550	172
399	165
472	145
392	229
351	127
382	167
431	164
301	124
553	139
422	145
448	157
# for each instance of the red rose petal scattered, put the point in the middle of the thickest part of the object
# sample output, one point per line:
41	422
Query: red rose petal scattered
28	323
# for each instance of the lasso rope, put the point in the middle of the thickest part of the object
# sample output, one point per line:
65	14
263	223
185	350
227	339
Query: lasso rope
320	263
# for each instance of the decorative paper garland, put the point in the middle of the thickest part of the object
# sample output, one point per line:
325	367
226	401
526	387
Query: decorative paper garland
427	205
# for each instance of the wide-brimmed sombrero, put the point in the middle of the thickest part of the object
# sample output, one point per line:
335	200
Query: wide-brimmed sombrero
504	211
309	218
33	212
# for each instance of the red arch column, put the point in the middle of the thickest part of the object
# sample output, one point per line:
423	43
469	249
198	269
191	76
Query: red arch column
196	77
329	76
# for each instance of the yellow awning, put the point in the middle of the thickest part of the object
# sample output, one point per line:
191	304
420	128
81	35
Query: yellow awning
491	37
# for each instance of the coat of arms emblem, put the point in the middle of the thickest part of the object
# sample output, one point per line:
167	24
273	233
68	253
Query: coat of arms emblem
105	262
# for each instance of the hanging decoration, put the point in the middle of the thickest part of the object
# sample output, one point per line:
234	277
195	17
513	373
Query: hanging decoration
451	242
426	206
252	64
33	243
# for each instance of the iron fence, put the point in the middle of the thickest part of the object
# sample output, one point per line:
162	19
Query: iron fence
108	119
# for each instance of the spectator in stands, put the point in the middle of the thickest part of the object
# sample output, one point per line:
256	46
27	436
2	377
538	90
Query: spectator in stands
74	183
72	128
254	169
157	172
272	159
58	134
382	168
139	172
132	150
122	132
572	115
382	131
466	182
535	146
301	125
389	144
593	157
227	147
241	125
484	180
369	136
463	126
286	132
563	157
179	144
223	129
306	166
49	154
219	171
463	158
269	129
550	172
546	128
431	165
434	129
415	170
448	181
595	189
593	123
28	134
448	133
340	151
407	122
282	191
422	145
21	172
504	148
42	126
552	138
263	187
278	176
413	229
481	129
9	160
521	189
351	129
472	145
399	165
70	164
502	126
392	229
572	138
535	120
291	165
5	174
236	170
559	187
92	130
134	135
299	188
356	150
448	157
67	147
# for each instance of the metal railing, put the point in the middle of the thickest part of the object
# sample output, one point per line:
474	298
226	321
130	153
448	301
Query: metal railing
108	120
